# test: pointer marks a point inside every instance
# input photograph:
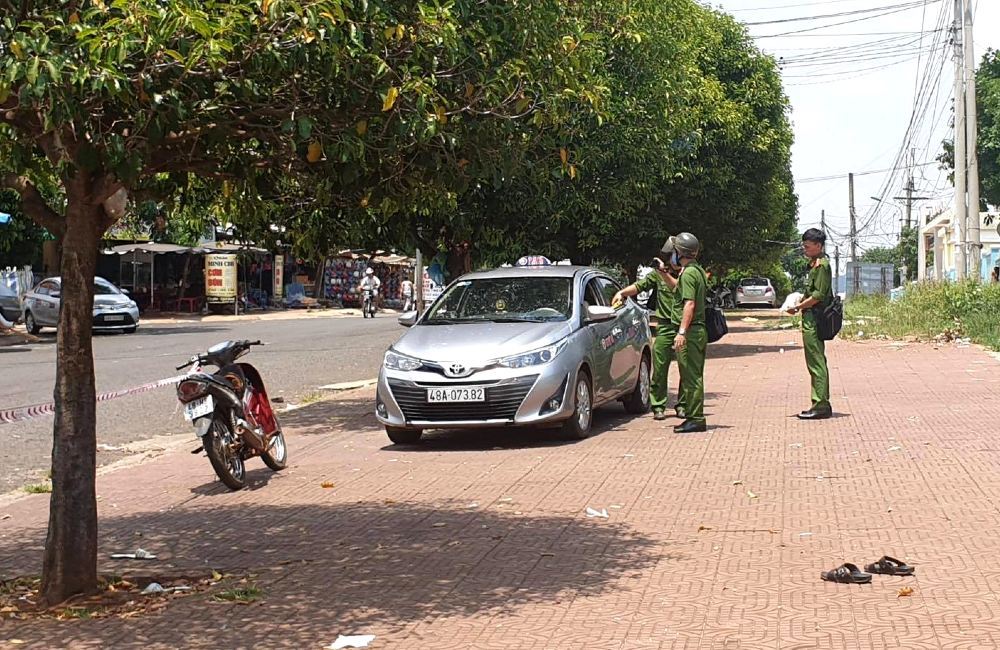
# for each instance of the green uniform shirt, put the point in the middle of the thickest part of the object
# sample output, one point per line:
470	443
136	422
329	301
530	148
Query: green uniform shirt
665	304
820	284
692	285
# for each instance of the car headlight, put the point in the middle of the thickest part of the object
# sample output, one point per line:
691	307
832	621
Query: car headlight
533	358
397	361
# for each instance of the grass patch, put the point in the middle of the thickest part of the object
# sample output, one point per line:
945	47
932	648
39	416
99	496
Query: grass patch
38	488
245	594
311	398
929	312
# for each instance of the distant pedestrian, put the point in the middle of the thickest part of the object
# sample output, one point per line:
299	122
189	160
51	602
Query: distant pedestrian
691	341
996	274
819	294
407	290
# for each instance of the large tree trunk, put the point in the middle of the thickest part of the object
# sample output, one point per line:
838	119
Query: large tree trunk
70	561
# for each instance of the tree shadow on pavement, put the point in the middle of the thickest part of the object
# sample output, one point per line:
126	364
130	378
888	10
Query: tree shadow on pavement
606	419
729	350
354	413
366	567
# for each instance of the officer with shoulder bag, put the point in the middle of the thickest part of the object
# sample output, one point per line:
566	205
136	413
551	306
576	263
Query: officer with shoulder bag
692	333
815	328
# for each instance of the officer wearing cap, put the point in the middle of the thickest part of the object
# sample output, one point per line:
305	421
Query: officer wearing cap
663	282
692	335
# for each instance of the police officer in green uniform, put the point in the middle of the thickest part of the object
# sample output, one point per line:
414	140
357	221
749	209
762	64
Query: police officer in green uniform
692	334
819	294
662	280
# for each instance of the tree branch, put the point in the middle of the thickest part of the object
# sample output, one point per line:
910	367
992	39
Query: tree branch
33	204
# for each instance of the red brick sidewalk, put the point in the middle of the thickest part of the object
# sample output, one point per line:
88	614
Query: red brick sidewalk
480	540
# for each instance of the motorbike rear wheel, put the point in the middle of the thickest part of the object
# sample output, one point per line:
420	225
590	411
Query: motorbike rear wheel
277	456
226	462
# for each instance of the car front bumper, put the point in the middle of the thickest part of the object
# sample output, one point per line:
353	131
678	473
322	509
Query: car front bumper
533	396
115	319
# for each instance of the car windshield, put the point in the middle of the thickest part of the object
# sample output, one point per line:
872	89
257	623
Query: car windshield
754	282
524	299
105	288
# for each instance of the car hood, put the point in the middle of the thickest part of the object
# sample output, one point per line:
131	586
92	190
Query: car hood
111	301
478	342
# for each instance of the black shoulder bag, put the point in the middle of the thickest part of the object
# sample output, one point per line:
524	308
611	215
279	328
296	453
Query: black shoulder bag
829	318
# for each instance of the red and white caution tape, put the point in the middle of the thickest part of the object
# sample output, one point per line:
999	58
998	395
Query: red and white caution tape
22	413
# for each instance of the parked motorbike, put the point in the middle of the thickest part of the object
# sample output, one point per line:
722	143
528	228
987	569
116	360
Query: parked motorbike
231	412
722	297
368	304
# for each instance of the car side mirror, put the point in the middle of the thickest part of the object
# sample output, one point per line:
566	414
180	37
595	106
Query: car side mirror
408	319
126	292
598	314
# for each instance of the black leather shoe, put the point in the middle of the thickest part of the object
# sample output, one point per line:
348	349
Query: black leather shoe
816	414
691	426
659	415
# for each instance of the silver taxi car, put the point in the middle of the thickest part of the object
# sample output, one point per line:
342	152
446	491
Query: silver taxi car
113	309
526	346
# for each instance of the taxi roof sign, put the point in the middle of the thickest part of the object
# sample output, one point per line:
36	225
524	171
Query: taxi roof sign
534	260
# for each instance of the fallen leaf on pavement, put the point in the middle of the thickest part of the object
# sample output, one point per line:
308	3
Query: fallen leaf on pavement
216	576
737	482
326	484
751	494
905	591
701	528
440	525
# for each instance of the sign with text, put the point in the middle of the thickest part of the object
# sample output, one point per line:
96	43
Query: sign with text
220	277
279	277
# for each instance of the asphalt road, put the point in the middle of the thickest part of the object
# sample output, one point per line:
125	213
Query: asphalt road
300	356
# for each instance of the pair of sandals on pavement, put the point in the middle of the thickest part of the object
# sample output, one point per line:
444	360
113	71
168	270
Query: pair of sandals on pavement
850	573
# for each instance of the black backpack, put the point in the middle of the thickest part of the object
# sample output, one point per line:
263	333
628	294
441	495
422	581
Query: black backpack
829	319
715	319
715	323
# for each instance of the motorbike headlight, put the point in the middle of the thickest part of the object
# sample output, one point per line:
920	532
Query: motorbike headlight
533	358
397	361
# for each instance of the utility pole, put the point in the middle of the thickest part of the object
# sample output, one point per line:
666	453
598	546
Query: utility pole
822	221
836	262
971	137
854	219
961	207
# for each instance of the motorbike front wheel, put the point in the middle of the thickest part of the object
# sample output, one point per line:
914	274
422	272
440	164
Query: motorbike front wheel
276	457
226	461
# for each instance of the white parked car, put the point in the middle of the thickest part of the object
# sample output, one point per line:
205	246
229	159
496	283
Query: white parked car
756	291
113	309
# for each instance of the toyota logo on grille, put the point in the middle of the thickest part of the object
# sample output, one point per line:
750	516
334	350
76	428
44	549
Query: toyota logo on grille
456	370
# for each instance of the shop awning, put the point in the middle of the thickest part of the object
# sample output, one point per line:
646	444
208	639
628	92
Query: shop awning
147	247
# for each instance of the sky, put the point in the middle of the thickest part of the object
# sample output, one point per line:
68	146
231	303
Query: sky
852	88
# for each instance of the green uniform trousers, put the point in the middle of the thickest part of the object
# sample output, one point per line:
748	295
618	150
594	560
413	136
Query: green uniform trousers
663	355
815	349
691	363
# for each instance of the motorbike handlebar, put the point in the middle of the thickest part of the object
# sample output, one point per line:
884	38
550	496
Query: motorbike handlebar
188	364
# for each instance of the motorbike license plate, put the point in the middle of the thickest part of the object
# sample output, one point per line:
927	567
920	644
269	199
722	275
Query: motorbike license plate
458	394
199	407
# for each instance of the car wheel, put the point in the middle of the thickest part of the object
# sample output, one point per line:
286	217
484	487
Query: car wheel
403	436
578	426
30	323
637	402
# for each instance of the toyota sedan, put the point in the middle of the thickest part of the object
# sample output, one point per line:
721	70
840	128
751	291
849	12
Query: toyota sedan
534	346
113	309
